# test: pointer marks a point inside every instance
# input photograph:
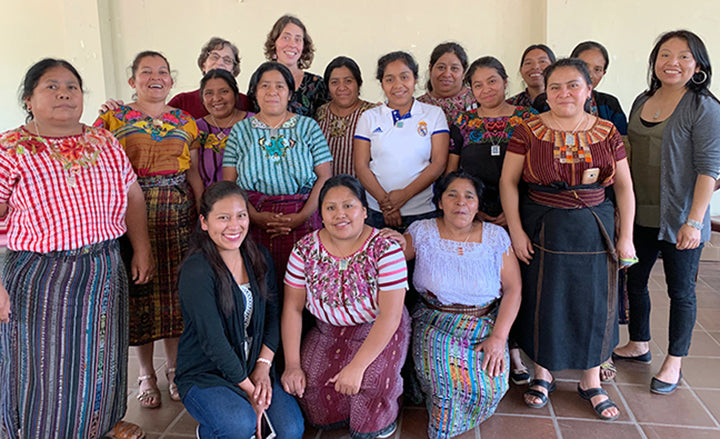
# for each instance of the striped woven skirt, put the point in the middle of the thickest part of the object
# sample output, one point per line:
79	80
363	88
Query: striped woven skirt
281	246
155	307
325	351
460	395
63	356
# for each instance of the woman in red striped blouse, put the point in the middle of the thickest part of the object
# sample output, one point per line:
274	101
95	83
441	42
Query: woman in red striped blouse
563	231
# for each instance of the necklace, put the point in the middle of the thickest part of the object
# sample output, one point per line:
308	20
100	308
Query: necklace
461	247
72	171
221	135
156	120
273	129
569	138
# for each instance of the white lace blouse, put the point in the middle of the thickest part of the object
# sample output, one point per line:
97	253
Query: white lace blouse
472	278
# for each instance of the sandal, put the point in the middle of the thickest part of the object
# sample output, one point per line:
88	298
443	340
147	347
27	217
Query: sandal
601	406
607	371
126	430
520	376
172	387
146	397
550	387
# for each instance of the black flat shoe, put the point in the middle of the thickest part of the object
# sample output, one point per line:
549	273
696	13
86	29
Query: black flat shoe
645	358
663	388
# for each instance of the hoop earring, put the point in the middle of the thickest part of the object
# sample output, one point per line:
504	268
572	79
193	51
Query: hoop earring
705	77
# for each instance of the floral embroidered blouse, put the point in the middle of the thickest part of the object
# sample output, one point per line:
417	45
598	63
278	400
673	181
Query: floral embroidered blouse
344	292
454	105
211	145
65	192
339	132
155	146
311	94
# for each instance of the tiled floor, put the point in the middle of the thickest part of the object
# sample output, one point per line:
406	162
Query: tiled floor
693	411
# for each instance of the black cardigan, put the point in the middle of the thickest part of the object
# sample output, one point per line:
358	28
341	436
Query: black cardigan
211	351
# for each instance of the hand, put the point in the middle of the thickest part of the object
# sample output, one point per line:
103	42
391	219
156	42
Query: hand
688	238
260	377
494	358
293	380
397	198
142	267
4	305
625	249
4	209
348	380
281	224
385	204
263	219
522	246
392	219
110	104
395	236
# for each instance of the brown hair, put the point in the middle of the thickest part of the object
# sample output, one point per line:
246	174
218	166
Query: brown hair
308	52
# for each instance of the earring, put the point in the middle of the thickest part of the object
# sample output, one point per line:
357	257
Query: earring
274	56
705	77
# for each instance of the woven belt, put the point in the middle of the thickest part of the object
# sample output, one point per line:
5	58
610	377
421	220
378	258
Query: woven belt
162	180
469	310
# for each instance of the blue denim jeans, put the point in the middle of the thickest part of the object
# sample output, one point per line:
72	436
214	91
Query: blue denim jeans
681	267
224	414
376	219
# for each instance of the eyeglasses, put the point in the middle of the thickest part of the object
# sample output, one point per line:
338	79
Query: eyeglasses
225	59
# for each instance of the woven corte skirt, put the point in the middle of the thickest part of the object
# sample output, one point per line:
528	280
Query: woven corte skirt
63	356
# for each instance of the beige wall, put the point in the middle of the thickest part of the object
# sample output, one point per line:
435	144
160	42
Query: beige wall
100	37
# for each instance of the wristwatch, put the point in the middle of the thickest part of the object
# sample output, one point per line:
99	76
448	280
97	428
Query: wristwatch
694	224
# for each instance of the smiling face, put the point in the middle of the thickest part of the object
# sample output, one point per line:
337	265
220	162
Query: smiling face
152	80
219	58
595	62
567	92
272	93
675	64
227	223
57	99
488	87
218	98
342	213
459	203
533	66
398	83
446	75
289	45
343	87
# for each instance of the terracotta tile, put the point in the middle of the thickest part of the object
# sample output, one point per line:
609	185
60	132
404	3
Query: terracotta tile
715	335
680	408
513	403
632	372
568	404
709	319
658	432
707	299
511	426
704	345
702	372
414	423
185	425
572	428
711	399
153	420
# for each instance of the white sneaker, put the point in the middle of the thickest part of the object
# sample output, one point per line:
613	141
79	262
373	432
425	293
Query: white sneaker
389	433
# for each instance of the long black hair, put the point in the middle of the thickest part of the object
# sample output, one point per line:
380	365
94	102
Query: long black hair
200	242
700	81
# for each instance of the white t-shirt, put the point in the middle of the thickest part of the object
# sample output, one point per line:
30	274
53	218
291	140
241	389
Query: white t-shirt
400	149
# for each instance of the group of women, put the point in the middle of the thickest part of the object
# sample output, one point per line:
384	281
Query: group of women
215	200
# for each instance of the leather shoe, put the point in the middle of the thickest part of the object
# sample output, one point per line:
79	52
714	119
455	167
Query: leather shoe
645	358
663	388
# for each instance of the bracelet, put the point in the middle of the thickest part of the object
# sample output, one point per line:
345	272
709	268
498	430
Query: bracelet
694	224
264	360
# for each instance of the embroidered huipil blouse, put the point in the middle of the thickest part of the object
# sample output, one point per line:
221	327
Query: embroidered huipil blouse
472	279
346	296
276	161
65	192
159	146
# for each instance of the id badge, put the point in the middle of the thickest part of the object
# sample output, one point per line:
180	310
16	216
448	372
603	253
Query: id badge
495	150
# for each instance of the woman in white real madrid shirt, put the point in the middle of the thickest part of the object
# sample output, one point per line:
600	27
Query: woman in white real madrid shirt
400	148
